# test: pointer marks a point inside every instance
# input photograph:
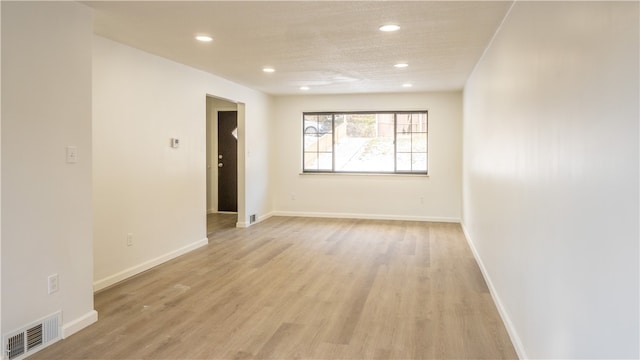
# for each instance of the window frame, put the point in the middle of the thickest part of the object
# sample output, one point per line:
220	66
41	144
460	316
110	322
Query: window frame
395	137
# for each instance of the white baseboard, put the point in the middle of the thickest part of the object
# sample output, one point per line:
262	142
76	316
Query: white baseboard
365	216
124	274
511	330
264	217
78	324
244	224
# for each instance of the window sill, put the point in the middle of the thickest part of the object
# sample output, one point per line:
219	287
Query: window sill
362	174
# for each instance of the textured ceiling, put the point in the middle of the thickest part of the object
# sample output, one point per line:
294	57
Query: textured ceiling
332	47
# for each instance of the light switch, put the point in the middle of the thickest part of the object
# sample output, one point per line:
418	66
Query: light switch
72	154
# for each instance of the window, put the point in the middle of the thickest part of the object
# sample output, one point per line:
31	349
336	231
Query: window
365	142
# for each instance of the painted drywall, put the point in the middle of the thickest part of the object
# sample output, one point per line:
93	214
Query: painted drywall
0	171
214	105
46	202
436	197
257	137
144	187
551	177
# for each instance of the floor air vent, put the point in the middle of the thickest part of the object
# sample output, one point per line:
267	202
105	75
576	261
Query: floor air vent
15	346
33	337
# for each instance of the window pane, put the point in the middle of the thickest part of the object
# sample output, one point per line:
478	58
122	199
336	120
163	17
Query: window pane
419	162
310	143
317	161
325	124
419	142
420	121
311	125
364	143
385	126
361	125
310	161
403	143
403	125
365	154
324	161
325	143
317	142
403	162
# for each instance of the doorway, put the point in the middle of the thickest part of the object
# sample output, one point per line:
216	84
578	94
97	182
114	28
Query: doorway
223	188
227	161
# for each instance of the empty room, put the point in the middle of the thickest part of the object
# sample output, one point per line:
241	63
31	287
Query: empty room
320	180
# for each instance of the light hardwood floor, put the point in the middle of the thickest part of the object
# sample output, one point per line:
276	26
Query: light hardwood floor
220	221
303	288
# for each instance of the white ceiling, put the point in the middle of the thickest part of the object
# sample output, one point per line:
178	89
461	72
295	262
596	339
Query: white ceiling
330	46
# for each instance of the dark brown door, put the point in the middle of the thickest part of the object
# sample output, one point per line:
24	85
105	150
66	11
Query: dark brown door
228	161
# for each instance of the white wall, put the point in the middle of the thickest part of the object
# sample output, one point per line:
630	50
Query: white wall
257	134
142	185
371	196
551	179
0	171
46	203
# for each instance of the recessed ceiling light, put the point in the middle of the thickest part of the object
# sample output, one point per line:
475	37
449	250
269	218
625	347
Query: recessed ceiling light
401	65
407	85
305	88
389	27
269	70
204	38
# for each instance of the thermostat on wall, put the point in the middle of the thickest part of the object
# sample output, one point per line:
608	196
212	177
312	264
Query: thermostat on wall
175	143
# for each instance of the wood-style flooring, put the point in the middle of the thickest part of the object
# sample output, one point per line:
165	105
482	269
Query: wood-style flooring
220	221
303	288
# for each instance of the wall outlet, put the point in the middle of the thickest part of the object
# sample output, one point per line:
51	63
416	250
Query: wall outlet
129	239
52	283
421	199
293	196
